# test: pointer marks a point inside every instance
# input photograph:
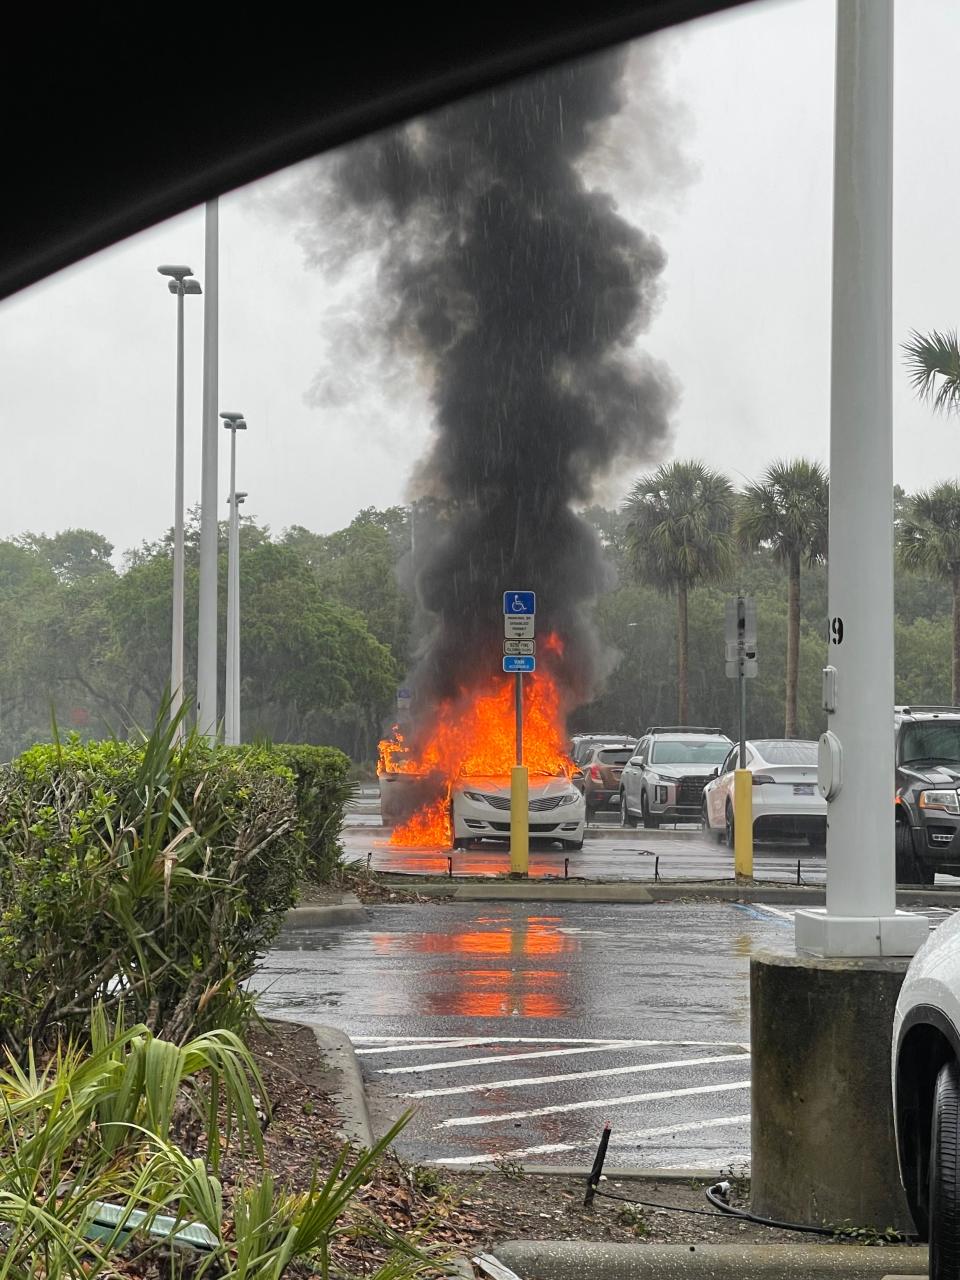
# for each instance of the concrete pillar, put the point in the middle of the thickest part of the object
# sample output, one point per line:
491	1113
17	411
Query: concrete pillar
824	1150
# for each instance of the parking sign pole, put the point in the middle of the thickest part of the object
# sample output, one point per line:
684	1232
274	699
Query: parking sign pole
518	703
522	605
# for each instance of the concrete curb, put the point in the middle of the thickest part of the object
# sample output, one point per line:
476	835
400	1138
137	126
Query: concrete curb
631	891
342	909
347	1089
575	1260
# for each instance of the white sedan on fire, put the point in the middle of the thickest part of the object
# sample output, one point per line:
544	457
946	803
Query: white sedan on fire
480	810
786	801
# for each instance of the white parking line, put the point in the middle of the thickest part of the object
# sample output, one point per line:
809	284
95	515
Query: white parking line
616	1140
774	911
408	1045
605	1046
590	1105
521	1081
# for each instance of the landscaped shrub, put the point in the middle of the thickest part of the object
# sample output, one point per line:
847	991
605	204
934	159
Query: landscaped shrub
323	788
146	877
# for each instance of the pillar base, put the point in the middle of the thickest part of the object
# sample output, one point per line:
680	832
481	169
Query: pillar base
819	933
823	1145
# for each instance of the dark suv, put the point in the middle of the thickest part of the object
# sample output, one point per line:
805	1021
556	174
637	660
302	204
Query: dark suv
927	798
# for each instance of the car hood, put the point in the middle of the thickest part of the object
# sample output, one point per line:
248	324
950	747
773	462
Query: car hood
682	770
931	775
498	785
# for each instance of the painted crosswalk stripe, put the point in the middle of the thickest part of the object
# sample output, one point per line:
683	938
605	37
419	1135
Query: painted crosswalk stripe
607	1046
617	1140
519	1082
591	1104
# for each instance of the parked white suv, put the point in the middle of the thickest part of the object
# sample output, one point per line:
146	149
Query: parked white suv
926	1094
664	780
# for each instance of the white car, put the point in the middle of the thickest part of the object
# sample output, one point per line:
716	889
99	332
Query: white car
926	1094
480	810
786	801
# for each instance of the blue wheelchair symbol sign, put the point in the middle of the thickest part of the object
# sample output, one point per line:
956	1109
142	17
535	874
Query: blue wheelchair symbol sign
519	602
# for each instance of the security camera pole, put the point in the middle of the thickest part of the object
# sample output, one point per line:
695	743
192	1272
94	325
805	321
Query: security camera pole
741	637
233	422
519	646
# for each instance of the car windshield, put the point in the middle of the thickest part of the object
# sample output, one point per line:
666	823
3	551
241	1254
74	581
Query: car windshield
677	751
931	740
783	751
615	757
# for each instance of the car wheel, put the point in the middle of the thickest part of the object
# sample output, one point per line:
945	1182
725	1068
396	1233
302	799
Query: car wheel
944	1198
626	817
704	816
910	870
729	833
573	845
649	821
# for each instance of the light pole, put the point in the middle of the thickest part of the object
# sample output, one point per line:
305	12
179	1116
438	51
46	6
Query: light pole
207	612
233	422
182	282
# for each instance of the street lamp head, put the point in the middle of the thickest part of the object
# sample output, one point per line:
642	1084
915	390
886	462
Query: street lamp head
178	272
240	498
233	421
192	286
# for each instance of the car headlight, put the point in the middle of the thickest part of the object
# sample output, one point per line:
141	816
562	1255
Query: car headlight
476	796
571	797
946	801
653	777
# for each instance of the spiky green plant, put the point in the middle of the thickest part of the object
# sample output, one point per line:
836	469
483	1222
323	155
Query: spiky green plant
94	1127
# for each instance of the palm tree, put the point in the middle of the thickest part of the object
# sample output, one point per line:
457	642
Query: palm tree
933	362
930	543
678	535
788	513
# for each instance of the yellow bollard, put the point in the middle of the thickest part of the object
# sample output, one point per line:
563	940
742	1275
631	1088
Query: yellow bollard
519	821
743	823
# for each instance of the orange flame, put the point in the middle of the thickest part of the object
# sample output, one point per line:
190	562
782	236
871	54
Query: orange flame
475	735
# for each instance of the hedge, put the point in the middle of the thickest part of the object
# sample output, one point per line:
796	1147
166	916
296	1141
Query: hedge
323	789
150	877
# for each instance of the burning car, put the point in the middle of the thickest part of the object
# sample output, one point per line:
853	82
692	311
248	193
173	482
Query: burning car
480	809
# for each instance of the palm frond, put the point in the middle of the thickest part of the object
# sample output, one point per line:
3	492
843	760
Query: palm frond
933	366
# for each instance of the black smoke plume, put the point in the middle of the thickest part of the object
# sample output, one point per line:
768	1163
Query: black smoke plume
523	290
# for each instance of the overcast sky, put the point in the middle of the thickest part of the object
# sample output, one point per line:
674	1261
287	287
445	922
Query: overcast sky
87	358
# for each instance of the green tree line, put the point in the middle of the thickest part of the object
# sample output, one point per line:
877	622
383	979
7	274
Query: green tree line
327	619
324	632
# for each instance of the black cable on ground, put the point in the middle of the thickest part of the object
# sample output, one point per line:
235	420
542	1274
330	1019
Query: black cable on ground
649	1204
745	1216
728	1210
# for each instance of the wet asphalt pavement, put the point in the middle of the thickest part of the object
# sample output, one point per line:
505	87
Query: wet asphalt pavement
517	1030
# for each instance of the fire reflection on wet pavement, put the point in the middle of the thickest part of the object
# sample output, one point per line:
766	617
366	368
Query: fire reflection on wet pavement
521	1028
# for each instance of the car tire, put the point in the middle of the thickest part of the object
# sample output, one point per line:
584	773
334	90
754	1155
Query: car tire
649	821
704	816
910	869
729	833
944	1197
574	846
626	817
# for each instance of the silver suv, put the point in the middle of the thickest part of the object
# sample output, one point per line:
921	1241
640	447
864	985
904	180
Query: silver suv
664	780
